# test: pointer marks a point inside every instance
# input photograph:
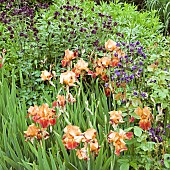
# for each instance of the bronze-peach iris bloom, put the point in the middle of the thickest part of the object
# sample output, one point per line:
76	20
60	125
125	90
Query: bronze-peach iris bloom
35	132
43	115
72	137
110	45
45	75
116	118
104	62
145	117
118	140
69	55
61	101
82	153
68	78
80	66
89	134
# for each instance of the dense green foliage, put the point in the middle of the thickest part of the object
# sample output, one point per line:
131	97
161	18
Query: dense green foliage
35	37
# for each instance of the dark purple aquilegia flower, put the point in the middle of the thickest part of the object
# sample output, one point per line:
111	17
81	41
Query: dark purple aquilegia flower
157	134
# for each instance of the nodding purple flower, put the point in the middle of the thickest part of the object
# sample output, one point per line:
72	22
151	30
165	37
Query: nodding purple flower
132	77
101	15
140	63
132	45
134	67
131	50
144	55
152	131
123	101
9	28
144	95
122	79
119	64
168	126
112	78
139	51
137	42
140	70
118	44
123	43
115	24
159	138
106	85
115	54
118	73
93	31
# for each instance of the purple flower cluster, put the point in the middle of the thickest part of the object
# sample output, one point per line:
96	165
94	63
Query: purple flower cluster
80	26
23	13
157	134
131	65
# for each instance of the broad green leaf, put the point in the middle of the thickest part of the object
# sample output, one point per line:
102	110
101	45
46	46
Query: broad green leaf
124	166
137	131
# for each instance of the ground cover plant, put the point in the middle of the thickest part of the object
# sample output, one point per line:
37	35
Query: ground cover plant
83	87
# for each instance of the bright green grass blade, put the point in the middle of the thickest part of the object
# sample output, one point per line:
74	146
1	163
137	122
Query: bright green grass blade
26	165
45	161
65	154
11	162
99	159
107	163
53	164
40	159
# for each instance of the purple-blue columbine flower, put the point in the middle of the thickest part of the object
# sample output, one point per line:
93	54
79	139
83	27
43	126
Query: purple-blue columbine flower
144	95
134	67
137	42
118	44
112	78
135	93
132	76
106	85
123	43
168	126
118	73
140	70
140	63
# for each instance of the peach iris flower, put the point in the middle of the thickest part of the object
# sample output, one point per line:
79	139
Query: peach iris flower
69	55
61	101
80	66
89	134
118	140
45	75
72	137
82	153
89	140
68	78
104	61
43	115
110	45
35	132
145	117
115	118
